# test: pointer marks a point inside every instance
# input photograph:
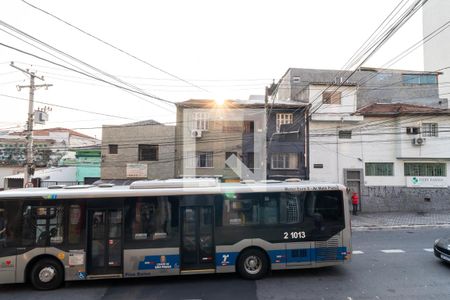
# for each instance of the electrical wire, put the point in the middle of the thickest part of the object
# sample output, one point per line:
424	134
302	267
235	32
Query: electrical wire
114	47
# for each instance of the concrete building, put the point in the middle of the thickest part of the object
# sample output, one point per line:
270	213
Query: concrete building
141	150
352	137
371	86
208	134
437	48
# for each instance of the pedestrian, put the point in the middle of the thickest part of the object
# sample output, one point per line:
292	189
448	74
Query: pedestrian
355	202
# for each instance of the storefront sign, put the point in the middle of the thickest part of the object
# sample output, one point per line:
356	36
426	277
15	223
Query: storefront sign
136	171
426	182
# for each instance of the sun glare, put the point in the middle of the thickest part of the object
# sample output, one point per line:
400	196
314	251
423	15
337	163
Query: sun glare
220	101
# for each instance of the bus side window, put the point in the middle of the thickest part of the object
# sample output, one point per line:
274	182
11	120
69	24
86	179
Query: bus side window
42	225
241	209
270	209
150	218
10	218
326	206
3	224
76	217
291	208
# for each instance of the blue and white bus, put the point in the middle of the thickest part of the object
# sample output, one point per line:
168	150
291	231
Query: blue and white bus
171	227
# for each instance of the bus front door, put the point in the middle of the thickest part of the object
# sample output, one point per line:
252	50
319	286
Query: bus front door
197	238
104	255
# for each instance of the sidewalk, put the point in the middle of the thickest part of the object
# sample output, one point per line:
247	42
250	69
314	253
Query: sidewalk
400	220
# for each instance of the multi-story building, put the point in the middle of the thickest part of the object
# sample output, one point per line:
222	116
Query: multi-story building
268	141
371	85
141	150
354	131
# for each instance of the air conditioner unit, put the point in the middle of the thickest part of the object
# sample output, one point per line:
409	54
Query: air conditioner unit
418	141
196	133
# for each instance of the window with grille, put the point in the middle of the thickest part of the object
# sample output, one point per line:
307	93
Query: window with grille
284	119
198	159
331	97
379	169
425	169
148	152
200	121
429	129
284	161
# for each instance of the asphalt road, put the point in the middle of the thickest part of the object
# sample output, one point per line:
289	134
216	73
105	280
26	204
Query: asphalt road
405	270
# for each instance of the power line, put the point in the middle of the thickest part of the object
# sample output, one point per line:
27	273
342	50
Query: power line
83	73
131	88
116	48
68	107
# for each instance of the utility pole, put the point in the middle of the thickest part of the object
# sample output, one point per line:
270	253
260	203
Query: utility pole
29	166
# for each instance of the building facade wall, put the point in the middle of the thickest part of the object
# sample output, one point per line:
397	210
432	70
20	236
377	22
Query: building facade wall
383	140
127	138
374	86
219	141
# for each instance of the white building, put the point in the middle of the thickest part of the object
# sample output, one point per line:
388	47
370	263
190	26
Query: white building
437	49
46	177
396	156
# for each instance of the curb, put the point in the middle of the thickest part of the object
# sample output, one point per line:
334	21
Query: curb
398	227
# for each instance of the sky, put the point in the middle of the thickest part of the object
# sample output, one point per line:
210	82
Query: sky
227	49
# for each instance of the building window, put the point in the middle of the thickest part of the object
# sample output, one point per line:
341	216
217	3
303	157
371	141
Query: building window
199	159
284	119
148	152
284	161
379	169
204	160
227	156
249	126
425	169
331	97
419	79
412	130
345	134
113	148
430	129
200	121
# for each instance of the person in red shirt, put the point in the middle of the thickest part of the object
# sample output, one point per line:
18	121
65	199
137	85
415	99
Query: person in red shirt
355	202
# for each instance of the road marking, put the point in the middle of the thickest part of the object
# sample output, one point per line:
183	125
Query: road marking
428	249
393	251
357	252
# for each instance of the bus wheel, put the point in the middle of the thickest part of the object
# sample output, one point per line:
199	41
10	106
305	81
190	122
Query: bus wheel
253	264
46	274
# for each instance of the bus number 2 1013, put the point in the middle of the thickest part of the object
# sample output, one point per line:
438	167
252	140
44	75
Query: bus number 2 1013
294	235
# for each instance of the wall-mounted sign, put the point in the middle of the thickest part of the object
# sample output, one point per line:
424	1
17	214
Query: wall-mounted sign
136	171
426	181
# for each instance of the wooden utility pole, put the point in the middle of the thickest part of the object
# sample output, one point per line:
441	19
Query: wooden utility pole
29	166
